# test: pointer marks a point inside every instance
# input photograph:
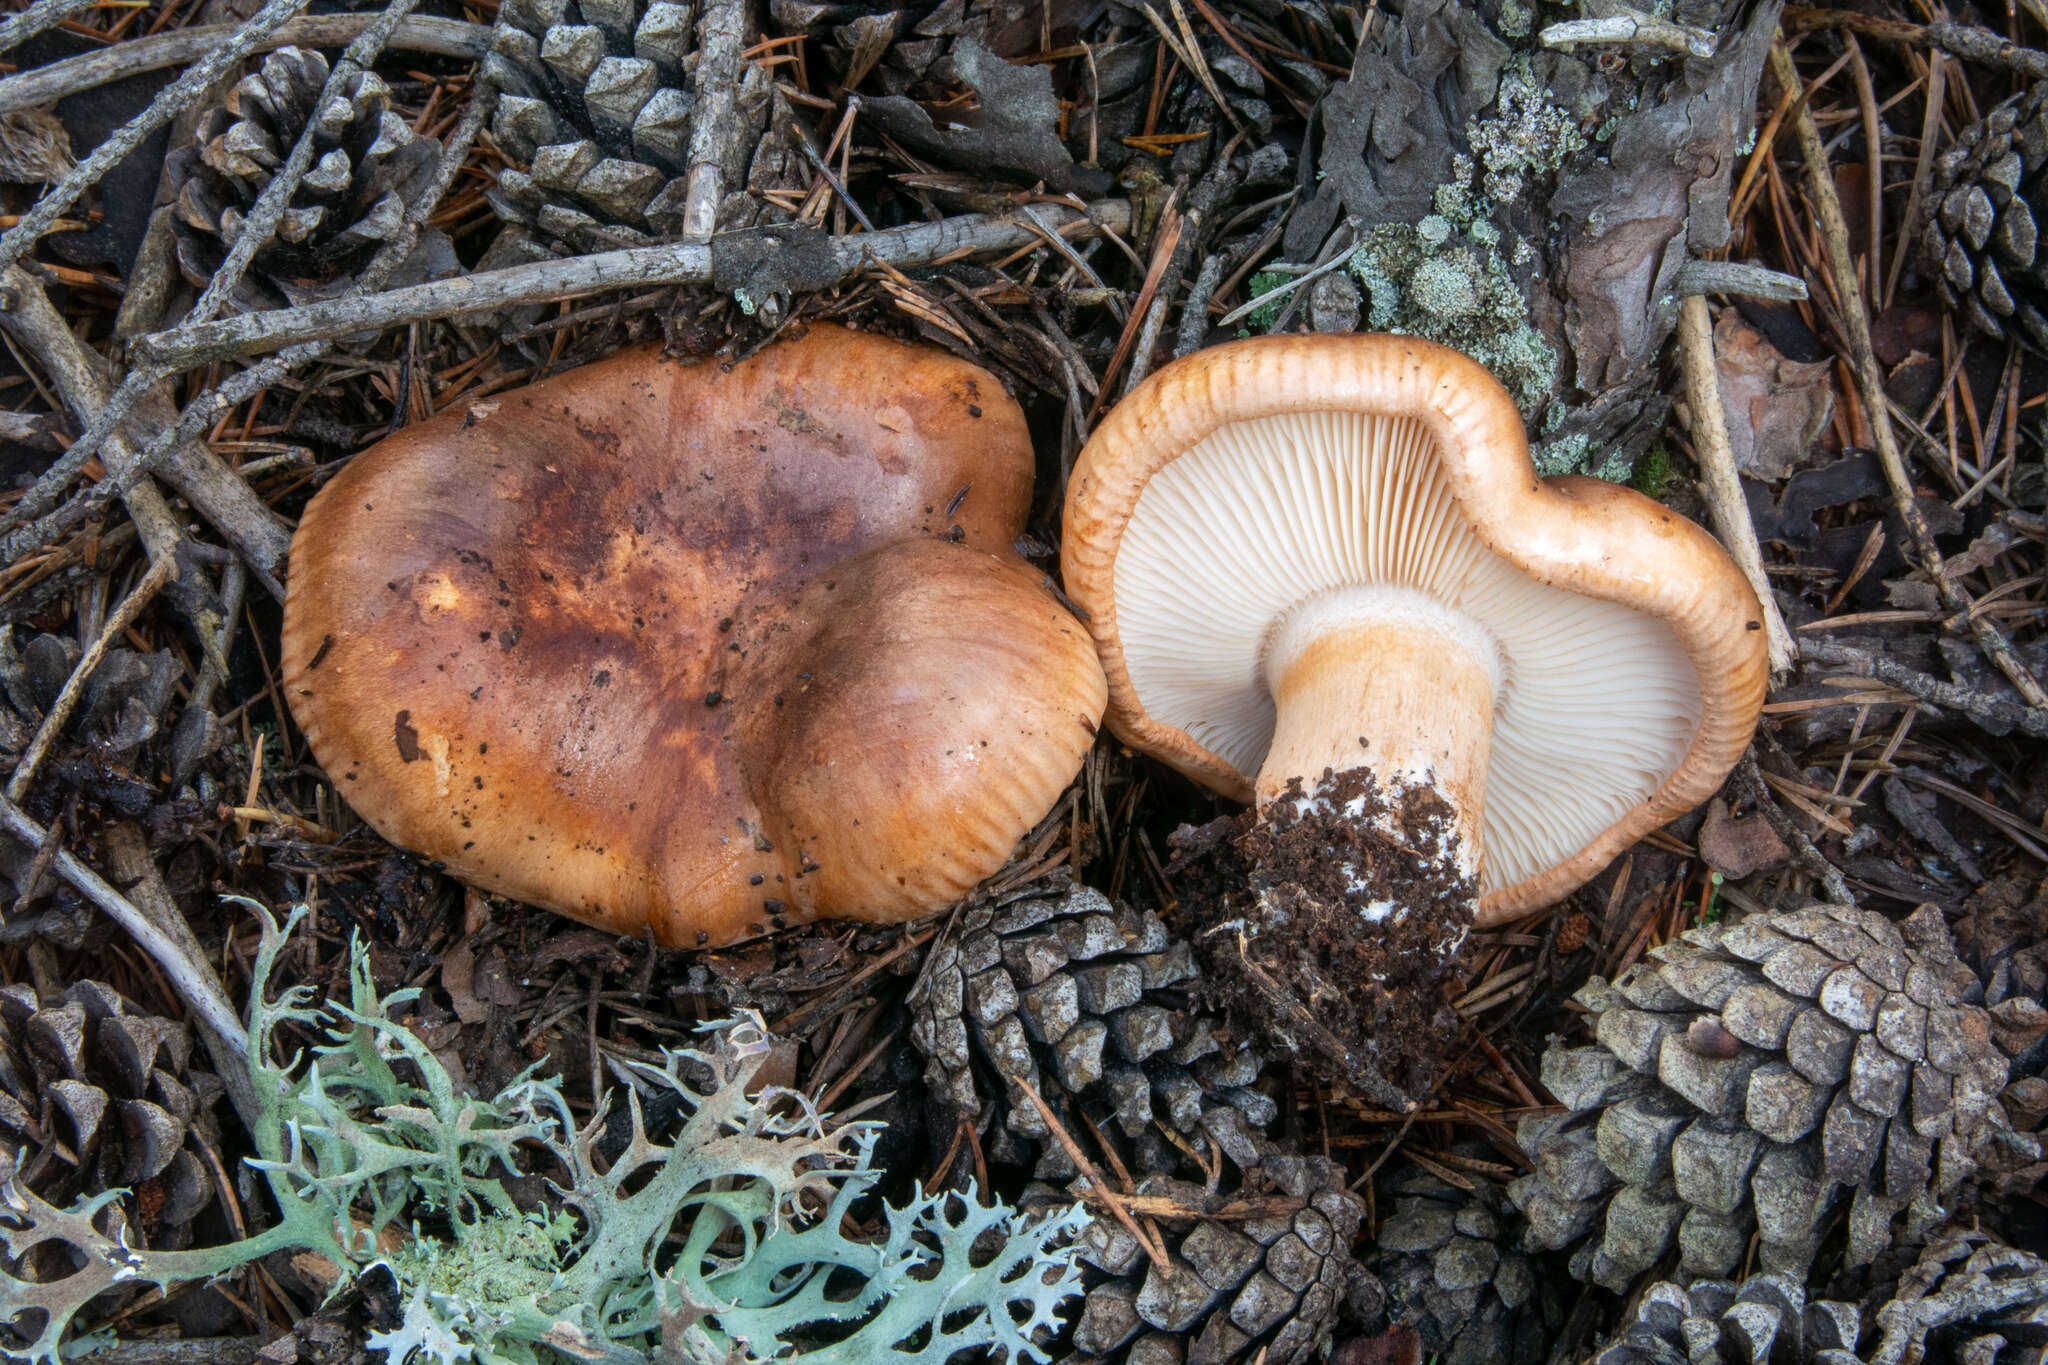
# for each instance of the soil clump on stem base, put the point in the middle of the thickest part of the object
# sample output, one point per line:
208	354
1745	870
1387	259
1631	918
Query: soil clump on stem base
1332	922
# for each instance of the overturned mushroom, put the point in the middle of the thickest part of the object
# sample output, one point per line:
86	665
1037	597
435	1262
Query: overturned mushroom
697	649
1323	575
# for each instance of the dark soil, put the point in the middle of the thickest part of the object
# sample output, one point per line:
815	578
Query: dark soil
1289	912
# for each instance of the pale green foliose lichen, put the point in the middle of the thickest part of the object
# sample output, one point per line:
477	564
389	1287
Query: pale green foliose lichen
1578	454
722	1236
1527	136
1445	279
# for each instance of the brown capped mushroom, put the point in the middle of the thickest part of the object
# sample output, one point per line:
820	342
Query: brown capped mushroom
1323	575
700	649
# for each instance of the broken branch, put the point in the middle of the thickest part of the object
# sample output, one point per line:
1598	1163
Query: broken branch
1720	484
636	268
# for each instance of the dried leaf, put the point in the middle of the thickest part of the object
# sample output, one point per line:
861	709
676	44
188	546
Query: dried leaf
1993	541
1019	123
1740	848
1661	195
1776	407
1390	131
458	978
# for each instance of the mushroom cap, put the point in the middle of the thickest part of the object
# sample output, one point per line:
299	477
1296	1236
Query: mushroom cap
1245	479
700	649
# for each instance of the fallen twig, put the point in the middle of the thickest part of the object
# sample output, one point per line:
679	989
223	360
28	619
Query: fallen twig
1967	41
1720	484
27	315
48	84
721	62
129	860
190	467
1986	48
191	980
635	268
44	14
179	1351
1695	276
1995	713
1196	225
60	711
1750	778
1855	319
256	532
261	537
1631	28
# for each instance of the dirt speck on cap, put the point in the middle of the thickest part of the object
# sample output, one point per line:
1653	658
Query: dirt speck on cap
1333	924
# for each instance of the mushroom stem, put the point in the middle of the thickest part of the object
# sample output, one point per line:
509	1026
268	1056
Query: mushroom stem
1390	680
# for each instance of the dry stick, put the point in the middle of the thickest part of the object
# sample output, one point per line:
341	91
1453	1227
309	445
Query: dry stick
721	63
189	466
1986	48
44	14
1720	484
1972	44
99	423
261	539
27	315
213	669
129	860
74	686
553	281
205	480
258	534
1223	176
48	84
216	490
1808	855
1194	315
173	97
1820	187
1695	276
1995	713
180	1351
1108	1197
193	981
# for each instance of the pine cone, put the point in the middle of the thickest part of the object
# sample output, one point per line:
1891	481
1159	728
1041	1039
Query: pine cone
96	1095
1968	1301
2003	934
1087	1003
1761	1321
1453	1275
368	167
596	99
123	708
1987	210
901	45
1260	1288
1746	1077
